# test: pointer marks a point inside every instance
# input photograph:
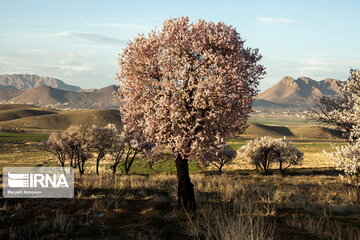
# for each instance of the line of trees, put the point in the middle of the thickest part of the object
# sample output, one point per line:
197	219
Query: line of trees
77	144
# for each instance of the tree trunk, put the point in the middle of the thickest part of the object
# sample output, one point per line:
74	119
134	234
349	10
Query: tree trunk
186	196
82	166
97	165
79	165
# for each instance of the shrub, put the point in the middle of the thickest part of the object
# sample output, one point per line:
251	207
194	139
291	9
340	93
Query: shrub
262	152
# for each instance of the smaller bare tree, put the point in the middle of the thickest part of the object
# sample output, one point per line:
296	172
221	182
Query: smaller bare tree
224	156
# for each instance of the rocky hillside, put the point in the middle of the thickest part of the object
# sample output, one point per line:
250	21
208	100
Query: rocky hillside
54	97
290	92
25	81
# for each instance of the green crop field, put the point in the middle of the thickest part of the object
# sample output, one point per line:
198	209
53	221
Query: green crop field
280	121
21	137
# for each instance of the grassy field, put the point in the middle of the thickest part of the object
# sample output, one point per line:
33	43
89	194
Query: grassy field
234	205
309	202
24	149
21	137
279	121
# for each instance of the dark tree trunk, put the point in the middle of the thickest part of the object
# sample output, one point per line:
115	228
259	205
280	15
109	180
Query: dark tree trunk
100	155
186	196
113	167
129	161
81	165
97	166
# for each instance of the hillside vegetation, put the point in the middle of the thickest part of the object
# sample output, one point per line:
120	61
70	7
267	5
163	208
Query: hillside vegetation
26	116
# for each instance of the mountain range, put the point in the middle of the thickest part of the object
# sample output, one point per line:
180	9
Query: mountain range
288	93
296	93
32	89
25	81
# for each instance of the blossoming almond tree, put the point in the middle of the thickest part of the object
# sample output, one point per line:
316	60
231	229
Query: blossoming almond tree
57	145
262	152
78	144
341	111
347	157
187	87
101	141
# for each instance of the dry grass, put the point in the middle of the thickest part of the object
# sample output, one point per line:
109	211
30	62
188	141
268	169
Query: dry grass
230	206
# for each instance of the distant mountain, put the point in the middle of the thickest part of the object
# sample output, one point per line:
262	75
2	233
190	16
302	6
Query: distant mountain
25	81
8	93
54	97
301	92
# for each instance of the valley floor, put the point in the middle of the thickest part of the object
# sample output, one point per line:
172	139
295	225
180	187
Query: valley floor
309	202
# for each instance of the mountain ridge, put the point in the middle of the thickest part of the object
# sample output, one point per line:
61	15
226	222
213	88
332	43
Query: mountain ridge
300	92
288	93
26	81
59	98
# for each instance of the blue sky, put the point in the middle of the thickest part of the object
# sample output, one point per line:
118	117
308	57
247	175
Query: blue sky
78	41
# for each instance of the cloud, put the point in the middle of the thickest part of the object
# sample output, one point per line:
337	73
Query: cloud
84	69
94	37
271	20
120	25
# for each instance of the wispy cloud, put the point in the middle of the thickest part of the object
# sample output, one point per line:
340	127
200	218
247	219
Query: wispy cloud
94	37
271	20
120	25
85	69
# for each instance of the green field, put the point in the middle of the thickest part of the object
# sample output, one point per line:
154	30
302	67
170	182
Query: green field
24	149
21	137
280	121
25	127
